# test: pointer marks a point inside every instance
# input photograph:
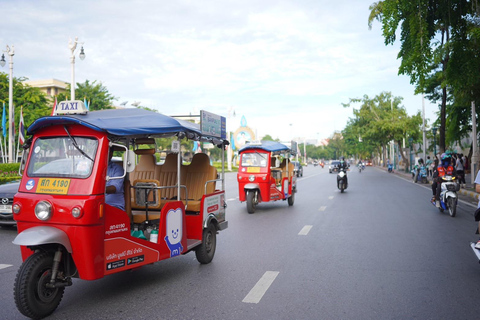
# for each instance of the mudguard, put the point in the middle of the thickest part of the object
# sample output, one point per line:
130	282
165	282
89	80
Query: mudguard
42	235
251	186
450	194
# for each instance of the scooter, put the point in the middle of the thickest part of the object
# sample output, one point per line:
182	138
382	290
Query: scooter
342	182
448	195
390	168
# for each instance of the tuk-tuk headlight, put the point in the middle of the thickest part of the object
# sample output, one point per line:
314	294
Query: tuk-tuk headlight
251	178
16	208
43	210
77	212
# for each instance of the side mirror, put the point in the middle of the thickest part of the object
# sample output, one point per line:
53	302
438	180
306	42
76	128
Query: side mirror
130	159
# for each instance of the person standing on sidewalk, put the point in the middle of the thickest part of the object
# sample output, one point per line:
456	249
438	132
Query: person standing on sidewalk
477	215
429	165
460	169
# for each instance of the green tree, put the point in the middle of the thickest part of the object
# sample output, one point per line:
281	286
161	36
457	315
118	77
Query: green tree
269	138
96	94
32	100
378	121
439	50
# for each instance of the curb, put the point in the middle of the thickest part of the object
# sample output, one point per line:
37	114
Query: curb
464	192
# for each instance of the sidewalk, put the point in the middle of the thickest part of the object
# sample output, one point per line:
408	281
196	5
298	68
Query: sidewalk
468	191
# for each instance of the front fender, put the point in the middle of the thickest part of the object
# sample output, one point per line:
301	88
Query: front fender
42	235
450	194
251	186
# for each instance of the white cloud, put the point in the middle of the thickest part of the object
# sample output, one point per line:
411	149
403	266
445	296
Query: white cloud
276	62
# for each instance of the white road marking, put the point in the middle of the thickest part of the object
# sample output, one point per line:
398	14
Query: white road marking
330	198
257	292
305	230
232	199
322	208
3	266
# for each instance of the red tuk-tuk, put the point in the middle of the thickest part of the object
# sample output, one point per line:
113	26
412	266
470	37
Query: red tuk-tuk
66	229
263	176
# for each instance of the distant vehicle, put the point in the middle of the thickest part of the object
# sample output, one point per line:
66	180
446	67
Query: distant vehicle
368	163
333	167
297	169
7	191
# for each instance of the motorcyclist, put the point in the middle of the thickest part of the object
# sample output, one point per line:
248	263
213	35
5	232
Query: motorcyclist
343	166
417	169
445	168
360	164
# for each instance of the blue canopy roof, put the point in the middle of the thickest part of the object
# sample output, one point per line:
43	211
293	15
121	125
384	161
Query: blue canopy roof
127	123
270	146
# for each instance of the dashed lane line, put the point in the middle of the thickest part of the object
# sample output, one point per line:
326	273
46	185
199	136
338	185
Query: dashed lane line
305	230
3	266
257	292
322	208
330	197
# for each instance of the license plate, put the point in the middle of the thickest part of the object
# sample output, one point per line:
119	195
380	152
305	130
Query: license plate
5	208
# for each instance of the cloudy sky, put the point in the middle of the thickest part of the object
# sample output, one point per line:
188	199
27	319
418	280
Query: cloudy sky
285	65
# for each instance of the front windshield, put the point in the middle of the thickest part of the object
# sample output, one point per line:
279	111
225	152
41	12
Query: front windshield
61	157
256	159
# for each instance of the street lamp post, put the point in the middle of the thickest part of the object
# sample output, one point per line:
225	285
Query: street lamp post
434	131
73	46
11	53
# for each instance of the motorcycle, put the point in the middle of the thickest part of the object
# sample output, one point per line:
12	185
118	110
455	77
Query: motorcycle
342	182
419	173
448	195
390	168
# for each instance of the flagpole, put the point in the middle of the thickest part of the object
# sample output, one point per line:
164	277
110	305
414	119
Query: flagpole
1	149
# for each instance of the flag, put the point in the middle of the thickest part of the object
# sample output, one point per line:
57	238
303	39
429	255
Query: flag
21	129
4	122
232	141
85	102
54	106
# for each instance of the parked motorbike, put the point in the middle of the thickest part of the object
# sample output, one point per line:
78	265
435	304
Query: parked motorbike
419	173
448	195
342	182
390	168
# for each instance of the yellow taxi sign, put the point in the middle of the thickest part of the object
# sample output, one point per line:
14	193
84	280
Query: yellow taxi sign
70	107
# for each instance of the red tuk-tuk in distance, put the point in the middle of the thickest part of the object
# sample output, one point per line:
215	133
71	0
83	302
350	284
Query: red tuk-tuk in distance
263	176
66	228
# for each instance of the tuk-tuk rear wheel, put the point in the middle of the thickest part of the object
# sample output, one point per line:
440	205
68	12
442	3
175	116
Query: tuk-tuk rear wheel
206	250
291	199
32	297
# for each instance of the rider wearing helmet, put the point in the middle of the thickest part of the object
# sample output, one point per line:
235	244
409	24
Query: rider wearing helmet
445	168
343	165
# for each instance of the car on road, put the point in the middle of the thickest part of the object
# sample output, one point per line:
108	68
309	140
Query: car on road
297	168
368	163
333	167
7	191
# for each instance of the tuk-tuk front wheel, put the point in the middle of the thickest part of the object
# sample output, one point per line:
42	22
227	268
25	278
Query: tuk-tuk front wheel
32	297
206	250
251	201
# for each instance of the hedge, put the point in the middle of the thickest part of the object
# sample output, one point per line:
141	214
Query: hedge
9	172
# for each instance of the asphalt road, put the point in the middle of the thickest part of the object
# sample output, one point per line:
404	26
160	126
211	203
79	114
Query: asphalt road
378	251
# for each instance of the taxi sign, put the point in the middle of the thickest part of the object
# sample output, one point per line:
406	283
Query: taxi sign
70	107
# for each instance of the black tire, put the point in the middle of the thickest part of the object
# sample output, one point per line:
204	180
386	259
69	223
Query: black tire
206	250
251	202
291	199
341	186
452	207
32	298
424	180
